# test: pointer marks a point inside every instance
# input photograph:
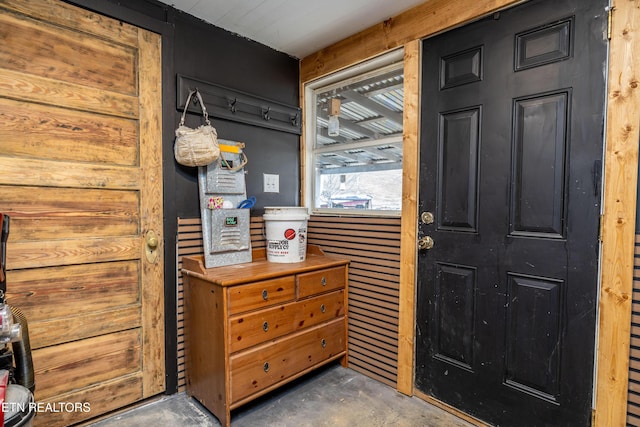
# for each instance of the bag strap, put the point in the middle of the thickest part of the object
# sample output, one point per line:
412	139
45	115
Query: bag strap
202	107
224	165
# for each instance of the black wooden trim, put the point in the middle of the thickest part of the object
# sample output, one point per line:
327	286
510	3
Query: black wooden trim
229	104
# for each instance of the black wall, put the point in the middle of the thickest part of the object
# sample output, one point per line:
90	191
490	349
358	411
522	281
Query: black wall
195	49
211	54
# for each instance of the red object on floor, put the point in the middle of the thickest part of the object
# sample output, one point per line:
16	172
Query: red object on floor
4	383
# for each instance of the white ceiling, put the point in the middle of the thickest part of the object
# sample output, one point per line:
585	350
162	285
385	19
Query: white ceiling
295	27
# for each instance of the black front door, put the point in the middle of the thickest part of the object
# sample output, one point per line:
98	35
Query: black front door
511	149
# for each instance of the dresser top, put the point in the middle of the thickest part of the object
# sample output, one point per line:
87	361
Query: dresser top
259	268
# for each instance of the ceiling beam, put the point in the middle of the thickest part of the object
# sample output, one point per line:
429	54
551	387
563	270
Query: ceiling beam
427	19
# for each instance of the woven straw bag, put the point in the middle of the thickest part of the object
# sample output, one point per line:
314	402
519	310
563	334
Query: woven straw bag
196	147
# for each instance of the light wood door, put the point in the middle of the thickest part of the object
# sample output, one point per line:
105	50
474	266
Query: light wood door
81	179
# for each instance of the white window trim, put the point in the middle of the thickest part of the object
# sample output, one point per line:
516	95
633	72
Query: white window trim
358	71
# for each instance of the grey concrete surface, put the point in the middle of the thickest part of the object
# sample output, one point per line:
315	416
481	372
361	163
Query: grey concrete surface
333	396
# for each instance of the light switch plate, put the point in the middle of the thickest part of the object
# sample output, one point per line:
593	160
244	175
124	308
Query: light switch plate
271	183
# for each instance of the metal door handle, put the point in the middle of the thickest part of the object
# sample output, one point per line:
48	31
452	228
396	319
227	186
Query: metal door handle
151	246
425	243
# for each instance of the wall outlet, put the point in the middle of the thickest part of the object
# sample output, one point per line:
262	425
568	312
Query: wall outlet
271	183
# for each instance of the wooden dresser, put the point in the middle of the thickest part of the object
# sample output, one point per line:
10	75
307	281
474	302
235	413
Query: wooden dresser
250	328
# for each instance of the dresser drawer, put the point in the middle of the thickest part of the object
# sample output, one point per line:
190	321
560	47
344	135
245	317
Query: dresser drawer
264	366
249	329
261	294
321	281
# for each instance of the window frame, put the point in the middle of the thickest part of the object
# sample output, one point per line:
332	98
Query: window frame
361	71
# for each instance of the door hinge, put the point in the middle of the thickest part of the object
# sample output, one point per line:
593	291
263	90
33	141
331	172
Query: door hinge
609	21
601	227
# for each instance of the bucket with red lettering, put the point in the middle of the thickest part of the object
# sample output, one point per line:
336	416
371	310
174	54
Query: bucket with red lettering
286	233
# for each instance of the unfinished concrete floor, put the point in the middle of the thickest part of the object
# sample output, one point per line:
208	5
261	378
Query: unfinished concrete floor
332	396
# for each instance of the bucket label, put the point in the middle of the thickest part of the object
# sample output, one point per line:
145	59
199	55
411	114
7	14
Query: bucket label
286	239
302	246
289	234
278	248
231	221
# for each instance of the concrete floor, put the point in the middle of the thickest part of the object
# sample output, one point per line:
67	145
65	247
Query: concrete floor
332	396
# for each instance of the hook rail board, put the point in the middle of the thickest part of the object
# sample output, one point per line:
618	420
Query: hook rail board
230	104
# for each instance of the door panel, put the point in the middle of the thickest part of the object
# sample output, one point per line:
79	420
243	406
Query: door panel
80	162
512	122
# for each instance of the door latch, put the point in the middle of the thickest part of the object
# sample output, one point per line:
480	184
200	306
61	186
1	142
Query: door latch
426	218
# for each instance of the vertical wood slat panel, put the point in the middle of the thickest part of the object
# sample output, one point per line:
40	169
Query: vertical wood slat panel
633	404
374	334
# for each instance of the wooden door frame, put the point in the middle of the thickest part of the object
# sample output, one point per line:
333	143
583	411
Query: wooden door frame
620	173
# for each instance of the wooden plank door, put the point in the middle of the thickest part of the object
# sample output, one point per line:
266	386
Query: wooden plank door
511	149
80	177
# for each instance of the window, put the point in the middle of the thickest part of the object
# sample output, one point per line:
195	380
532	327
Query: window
354	139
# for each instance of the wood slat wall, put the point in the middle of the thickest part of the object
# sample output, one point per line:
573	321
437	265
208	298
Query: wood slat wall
373	246
189	243
633	405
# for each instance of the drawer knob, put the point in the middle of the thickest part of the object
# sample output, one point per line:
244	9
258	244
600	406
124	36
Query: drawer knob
323	308
265	294
265	367
323	343
265	326
323	281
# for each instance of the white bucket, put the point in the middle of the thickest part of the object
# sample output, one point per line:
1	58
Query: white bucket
286	233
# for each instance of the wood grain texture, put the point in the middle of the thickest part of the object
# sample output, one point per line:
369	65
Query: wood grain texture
79	327
38	132
286	357
54	213
47	173
81	161
373	284
152	280
20	86
49	253
75	290
102	398
205	361
620	204
84	363
429	18
69	16
409	224
50	51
